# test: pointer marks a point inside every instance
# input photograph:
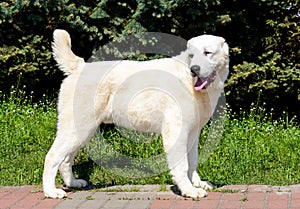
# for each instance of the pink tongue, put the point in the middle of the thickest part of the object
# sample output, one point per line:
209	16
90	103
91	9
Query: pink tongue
200	84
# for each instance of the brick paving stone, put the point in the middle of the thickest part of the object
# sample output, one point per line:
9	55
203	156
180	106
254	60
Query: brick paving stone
277	204
141	200
295	195
68	204
231	204
47	203
29	201
278	201
279	195
233	196
101	196
246	197
254	204
295	204
81	195
208	204
13	197
186	204
3	193
93	204
162	196
256	196
121	197
114	207
116	204
213	196
163	202
136	204
149	196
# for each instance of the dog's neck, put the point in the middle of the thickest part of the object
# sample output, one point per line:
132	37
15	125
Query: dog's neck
182	57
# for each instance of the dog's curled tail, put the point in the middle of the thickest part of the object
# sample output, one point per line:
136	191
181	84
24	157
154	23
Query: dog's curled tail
61	46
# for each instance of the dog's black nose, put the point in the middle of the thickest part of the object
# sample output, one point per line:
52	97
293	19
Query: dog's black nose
195	69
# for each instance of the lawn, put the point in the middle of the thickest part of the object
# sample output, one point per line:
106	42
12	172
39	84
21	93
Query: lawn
253	149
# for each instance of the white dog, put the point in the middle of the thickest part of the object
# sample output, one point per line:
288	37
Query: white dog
172	96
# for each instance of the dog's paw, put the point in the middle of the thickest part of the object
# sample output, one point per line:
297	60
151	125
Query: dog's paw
195	193
196	181
78	183
204	184
56	193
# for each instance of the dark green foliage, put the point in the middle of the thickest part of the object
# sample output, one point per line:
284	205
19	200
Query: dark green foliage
274	76
271	82
263	36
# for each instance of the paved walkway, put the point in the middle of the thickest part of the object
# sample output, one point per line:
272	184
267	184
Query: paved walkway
151	197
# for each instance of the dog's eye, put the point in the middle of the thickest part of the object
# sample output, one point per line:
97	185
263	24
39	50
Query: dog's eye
191	55
207	53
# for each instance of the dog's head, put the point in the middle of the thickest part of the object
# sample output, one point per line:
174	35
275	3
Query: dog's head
208	58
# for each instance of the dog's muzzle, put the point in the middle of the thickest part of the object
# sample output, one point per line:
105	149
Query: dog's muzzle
195	70
202	82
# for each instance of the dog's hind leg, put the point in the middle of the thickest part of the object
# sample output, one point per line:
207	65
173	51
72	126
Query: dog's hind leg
54	158
67	173
60	156
69	139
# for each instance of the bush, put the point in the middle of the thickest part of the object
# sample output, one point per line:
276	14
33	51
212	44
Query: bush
271	83
27	65
253	29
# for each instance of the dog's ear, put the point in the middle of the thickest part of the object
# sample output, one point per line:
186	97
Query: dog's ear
188	45
224	47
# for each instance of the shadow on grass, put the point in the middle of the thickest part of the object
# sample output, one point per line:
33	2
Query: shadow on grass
84	171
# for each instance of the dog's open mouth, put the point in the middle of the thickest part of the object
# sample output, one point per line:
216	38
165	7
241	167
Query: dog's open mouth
204	82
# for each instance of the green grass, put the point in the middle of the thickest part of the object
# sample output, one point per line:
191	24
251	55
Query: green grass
253	150
26	132
256	150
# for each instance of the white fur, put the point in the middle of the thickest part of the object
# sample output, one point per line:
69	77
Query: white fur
151	96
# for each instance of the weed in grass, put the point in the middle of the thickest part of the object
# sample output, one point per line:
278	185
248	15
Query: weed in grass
118	189
130	198
226	190
244	199
36	190
90	197
162	188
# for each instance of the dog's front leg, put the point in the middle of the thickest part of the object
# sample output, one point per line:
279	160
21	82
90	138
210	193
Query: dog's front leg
175	145
193	141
